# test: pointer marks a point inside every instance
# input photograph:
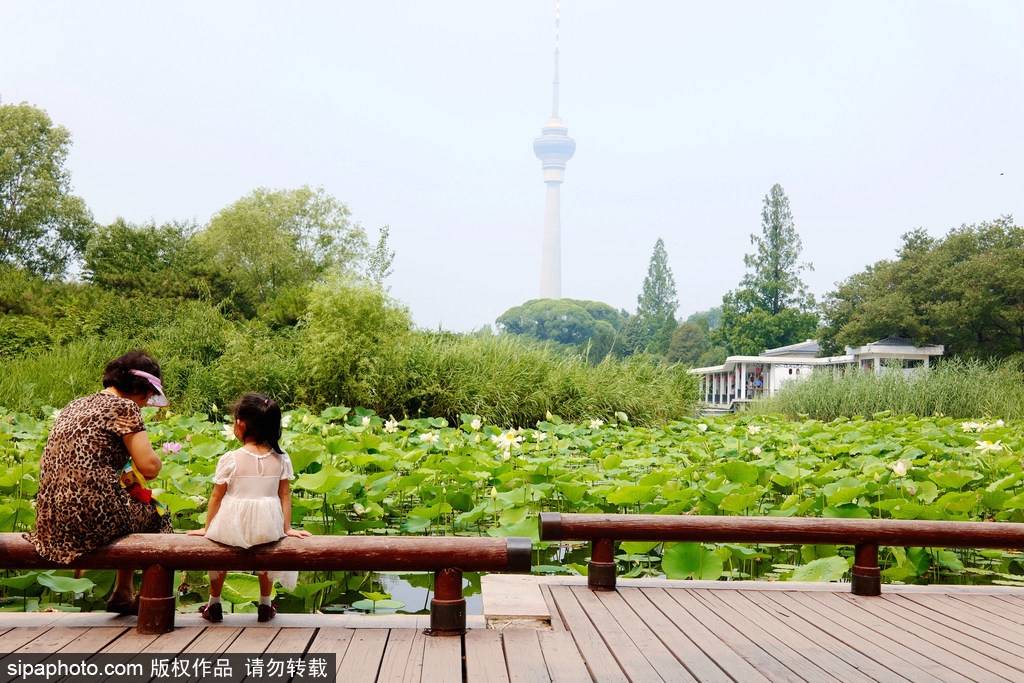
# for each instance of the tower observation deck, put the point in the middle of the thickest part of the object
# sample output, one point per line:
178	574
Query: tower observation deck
554	148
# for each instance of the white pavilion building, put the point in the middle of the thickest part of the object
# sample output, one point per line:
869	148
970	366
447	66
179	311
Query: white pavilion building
741	379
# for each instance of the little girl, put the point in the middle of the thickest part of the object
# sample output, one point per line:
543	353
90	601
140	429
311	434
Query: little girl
251	501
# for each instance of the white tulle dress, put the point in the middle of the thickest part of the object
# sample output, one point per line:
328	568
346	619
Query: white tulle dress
250	512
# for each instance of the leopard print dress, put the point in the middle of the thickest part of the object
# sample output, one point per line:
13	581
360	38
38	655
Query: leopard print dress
81	504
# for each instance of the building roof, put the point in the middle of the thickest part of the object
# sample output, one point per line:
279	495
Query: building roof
809	347
894	341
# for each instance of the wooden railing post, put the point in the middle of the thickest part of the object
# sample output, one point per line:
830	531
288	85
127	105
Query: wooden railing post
601	568
156	601
448	607
866	577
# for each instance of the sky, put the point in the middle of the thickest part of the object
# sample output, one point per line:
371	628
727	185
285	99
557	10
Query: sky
876	117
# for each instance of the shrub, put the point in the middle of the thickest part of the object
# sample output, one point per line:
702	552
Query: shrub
959	388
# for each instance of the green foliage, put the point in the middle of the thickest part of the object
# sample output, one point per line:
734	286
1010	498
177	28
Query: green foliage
588	327
963	290
955	387
771	308
43	227
650	330
272	239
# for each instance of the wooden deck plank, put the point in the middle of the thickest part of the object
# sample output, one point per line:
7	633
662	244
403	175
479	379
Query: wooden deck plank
291	640
886	637
213	640
442	659
254	640
960	640
702	636
565	665
595	653
752	625
556	618
906	634
759	658
658	655
788	629
997	623
966	619
995	605
524	657
699	664
14	639
334	640
630	658
485	657
876	662
363	657
53	639
395	667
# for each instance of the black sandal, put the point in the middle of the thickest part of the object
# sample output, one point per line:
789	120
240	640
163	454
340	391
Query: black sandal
213	613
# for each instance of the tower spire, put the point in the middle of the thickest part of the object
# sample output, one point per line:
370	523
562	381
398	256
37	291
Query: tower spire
554	99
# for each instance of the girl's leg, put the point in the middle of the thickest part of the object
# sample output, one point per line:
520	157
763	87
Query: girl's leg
266	587
216	584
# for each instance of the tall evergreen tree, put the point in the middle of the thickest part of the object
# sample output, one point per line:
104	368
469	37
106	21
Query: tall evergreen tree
651	329
771	307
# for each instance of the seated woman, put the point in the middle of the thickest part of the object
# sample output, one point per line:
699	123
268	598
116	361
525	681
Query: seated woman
81	504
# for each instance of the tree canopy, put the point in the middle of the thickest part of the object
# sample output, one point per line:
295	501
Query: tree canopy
964	290
43	226
650	330
587	326
771	307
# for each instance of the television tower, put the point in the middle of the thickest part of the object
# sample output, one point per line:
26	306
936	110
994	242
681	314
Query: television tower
554	148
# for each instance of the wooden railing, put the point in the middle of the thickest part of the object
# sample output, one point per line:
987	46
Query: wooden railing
866	535
159	555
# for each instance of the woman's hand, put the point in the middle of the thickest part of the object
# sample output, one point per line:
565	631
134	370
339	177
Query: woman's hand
297	533
197	532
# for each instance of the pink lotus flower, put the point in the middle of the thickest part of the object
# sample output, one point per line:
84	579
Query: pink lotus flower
172	447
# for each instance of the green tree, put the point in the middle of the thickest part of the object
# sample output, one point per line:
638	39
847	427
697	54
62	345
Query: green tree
160	261
689	342
273	239
650	330
43	227
381	258
965	290
589	327
771	307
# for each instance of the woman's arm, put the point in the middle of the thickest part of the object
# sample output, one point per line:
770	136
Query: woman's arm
147	462
211	509
284	492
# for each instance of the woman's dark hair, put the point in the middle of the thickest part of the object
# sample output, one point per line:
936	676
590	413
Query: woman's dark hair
262	419
118	373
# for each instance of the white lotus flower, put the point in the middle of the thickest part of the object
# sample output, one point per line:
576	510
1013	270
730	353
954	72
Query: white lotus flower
508	439
911	489
900	467
973	426
756	450
228	431
540	436
989	447
548	416
998	423
493	493
430	437
358	509
596	424
391	426
55	414
506	455
476	424
702	427
753	429
366	421
286	421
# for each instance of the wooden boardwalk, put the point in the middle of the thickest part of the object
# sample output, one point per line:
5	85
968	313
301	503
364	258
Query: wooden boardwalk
645	631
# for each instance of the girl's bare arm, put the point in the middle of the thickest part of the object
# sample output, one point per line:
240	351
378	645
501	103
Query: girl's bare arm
284	492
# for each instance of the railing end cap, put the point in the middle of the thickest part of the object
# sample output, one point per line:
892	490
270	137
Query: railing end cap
520	554
550	526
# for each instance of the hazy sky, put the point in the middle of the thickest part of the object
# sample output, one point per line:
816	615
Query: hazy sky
876	117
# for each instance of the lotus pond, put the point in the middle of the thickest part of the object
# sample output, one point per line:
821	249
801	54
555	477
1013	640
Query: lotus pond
359	473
